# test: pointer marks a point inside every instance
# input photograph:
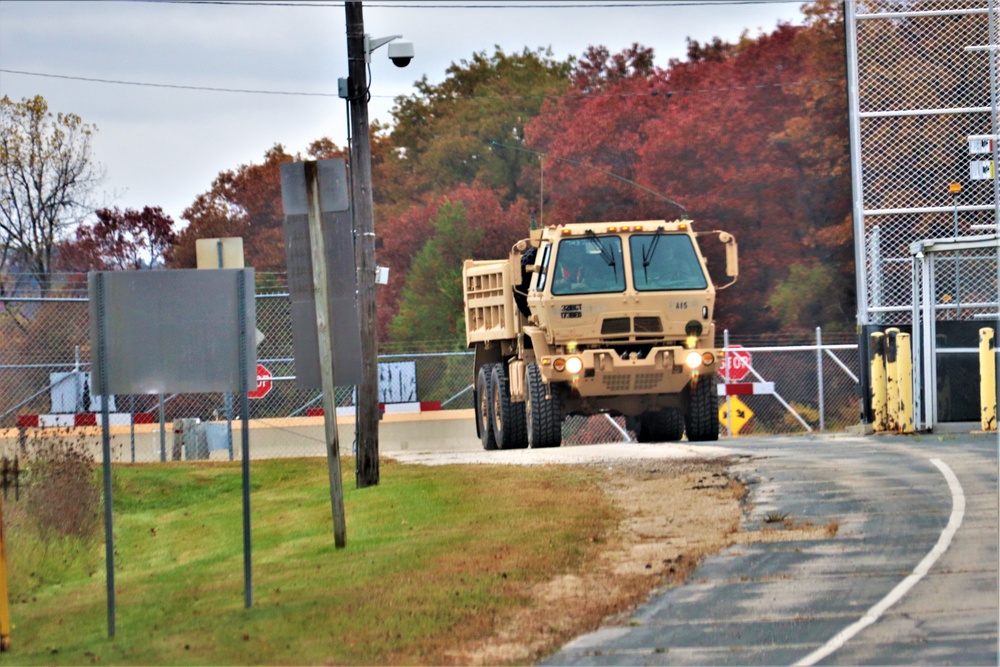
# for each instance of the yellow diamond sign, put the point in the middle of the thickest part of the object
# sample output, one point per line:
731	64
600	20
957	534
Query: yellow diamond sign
741	413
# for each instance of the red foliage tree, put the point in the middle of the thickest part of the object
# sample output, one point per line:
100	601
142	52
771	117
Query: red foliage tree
119	240
732	134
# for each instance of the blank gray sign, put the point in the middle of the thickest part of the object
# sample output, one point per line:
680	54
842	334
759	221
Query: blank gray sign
175	331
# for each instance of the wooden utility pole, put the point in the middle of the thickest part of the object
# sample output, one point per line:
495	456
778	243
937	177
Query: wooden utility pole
325	336
364	245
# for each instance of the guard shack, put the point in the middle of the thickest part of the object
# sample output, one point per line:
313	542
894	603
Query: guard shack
954	296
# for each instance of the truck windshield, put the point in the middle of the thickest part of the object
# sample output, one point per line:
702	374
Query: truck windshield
591	265
665	262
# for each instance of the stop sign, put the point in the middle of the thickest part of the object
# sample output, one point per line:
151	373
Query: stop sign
263	383
738	361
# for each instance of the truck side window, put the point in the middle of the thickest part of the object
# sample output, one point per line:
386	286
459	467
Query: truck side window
546	251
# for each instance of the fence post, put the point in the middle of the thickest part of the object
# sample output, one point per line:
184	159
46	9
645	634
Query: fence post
819	376
163	433
987	380
5	623
879	417
725	355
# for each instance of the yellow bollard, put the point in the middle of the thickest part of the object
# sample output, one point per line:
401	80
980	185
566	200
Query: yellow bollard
904	370
879	417
987	380
891	381
4	603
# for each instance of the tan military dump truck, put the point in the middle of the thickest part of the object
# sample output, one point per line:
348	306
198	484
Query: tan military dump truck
591	318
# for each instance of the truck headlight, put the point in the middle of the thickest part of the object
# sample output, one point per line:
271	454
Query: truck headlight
574	365
692	360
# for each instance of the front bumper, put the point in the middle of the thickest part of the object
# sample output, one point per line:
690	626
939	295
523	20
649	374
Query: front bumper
606	373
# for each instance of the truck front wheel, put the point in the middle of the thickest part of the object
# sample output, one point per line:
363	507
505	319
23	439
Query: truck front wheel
542	415
484	408
508	416
703	411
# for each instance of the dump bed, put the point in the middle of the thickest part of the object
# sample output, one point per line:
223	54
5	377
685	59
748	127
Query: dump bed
490	312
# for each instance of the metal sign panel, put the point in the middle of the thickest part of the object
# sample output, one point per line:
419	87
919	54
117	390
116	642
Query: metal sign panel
172	331
397	382
338	241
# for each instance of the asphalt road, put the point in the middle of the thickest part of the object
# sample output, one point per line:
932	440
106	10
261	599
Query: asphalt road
910	578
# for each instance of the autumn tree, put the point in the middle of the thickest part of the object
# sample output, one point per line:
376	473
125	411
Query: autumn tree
815	143
47	175
596	129
244	202
119	240
723	134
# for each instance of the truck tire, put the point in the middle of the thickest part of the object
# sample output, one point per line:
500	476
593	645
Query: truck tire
703	411
484	408
666	425
543	420
508	416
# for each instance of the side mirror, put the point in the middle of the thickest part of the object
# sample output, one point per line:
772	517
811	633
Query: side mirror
732	261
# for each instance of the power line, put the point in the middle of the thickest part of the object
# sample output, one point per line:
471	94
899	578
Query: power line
566	96
213	89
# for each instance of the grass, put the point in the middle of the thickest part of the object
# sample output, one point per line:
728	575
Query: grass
435	558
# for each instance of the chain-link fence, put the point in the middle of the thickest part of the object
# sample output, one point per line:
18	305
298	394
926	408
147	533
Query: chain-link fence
924	82
45	378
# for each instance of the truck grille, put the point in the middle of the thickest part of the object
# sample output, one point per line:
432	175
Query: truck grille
622	326
648	325
615	383
624	382
616	325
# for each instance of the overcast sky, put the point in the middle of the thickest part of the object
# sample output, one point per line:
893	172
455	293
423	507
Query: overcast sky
164	146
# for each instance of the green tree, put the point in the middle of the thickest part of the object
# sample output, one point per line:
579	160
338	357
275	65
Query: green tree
443	134
807	298
430	309
423	300
47	176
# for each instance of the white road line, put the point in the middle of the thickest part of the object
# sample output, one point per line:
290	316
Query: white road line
903	587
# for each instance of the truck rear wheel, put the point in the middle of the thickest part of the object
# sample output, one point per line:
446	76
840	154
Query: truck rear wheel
703	411
508	416
666	425
484	408
543	420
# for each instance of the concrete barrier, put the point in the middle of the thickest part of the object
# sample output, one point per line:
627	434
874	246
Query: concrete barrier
444	430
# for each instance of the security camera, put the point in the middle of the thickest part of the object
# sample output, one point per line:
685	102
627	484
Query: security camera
401	53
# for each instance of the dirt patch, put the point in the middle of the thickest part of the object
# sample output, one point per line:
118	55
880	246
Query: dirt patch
676	513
